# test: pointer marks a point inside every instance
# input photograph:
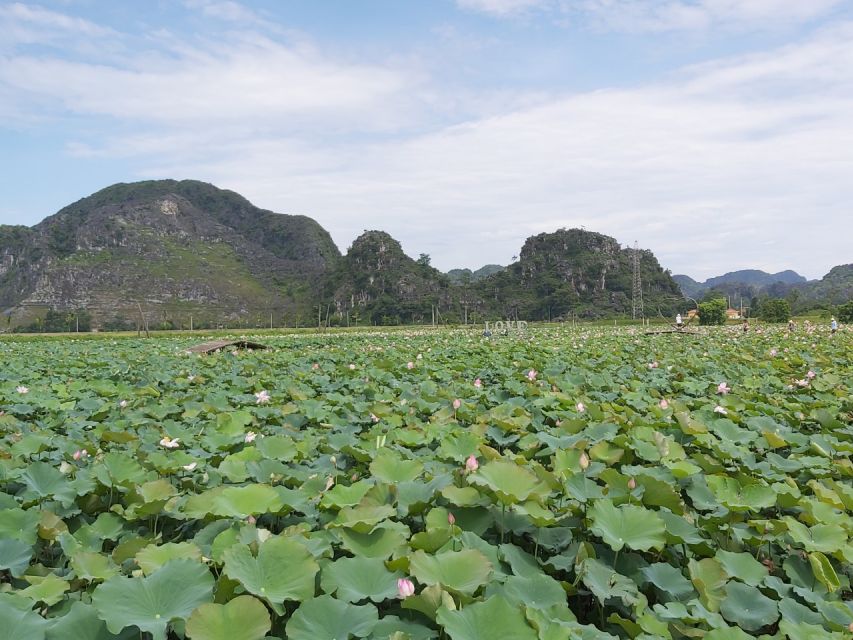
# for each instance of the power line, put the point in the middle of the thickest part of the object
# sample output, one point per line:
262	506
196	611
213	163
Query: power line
637	292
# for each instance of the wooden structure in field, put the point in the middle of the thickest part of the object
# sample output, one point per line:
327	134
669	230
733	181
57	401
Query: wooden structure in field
218	345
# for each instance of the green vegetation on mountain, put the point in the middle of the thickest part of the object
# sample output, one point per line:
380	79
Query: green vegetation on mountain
576	271
176	249
169	253
753	288
376	282
466	276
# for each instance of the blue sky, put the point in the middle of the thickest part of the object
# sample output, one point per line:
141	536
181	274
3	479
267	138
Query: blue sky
717	133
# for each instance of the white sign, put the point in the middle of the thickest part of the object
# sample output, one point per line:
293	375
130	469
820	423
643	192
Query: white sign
508	325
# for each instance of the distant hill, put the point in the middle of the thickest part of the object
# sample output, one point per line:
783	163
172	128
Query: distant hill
460	276
575	271
752	280
174	248
181	250
689	287
751	286
382	285
836	287
756	277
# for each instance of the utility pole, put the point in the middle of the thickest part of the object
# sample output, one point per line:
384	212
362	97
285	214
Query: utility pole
637	289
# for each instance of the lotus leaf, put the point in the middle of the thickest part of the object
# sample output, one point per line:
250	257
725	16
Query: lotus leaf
627	525
283	570
354	579
510	482
494	618
243	618
171	593
462	571
325	618
747	607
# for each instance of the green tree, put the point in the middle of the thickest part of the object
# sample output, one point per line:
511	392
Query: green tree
845	312
712	312
775	310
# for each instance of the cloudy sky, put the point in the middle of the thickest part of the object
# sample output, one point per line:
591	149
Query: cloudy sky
717	133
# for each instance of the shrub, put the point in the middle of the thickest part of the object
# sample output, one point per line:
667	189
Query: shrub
712	312
775	310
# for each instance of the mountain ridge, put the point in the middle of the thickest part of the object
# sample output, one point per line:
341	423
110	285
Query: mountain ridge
186	253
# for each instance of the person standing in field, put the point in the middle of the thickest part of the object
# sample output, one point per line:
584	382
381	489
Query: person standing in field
833	325
678	321
745	325
791	325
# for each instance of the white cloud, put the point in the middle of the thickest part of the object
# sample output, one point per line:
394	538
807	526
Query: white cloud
502	8
678	15
252	79
641	16
705	168
226	10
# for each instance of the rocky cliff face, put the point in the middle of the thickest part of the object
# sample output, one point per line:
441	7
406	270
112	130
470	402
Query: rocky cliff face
572	270
176	248
378	281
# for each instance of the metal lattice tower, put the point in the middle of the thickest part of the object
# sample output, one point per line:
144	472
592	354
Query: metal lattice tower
637	291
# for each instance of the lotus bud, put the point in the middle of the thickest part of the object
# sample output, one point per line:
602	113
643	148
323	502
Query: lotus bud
471	464
632	484
451	519
405	588
457	403
583	461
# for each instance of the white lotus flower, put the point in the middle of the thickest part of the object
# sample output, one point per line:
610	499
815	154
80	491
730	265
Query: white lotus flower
169	443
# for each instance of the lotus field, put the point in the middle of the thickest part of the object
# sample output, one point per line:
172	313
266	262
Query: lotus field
570	483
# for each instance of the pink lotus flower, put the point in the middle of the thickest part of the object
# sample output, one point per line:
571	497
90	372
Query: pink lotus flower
262	397
451	519
374	417
405	588
720	410
723	388
653	365
663	404
471	464
410	365
352	367
478	383
811	374
22	389
123	404
531	375
773	353
315	366
169	443
801	383
583	461
457	403
580	406
80	454
252	520
250	436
